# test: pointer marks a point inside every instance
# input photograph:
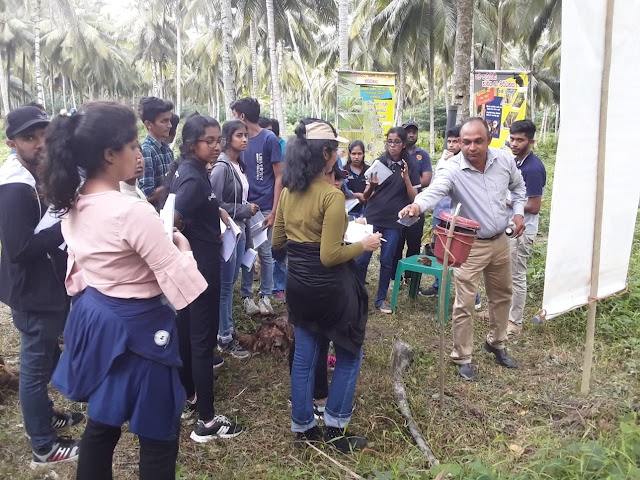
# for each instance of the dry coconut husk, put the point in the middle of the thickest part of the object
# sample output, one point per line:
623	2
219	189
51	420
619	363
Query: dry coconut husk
273	336
8	380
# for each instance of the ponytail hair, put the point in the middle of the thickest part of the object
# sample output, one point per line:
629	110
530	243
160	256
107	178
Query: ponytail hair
304	158
79	142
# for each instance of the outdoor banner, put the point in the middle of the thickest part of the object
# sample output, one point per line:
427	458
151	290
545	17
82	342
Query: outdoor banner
500	97
572	224
366	107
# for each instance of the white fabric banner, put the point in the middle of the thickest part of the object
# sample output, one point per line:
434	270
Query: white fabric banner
570	247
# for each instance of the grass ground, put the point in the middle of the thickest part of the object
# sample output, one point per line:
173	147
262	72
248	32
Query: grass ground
530	423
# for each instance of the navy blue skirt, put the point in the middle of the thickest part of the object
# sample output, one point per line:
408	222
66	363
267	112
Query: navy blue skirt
122	357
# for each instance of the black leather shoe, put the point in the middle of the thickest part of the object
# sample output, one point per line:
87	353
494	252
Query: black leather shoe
502	357
468	372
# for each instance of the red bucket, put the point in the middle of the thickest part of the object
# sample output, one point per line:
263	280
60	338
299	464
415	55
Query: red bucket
464	234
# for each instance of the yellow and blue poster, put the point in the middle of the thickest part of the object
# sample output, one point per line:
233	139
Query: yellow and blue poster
366	107
500	97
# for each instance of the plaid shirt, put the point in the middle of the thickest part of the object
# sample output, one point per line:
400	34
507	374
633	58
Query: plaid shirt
157	158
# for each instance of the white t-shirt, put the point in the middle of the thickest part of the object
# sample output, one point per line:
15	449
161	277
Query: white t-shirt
243	180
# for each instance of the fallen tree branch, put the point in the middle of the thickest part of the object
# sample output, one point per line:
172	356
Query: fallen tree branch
350	472
402	357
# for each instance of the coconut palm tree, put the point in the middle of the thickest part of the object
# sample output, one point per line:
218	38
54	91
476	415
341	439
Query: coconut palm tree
462	61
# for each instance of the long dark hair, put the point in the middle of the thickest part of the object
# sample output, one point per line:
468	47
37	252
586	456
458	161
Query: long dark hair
352	145
304	158
80	141
228	130
404	155
193	128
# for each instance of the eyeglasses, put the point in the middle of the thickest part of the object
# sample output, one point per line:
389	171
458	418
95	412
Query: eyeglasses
211	142
394	142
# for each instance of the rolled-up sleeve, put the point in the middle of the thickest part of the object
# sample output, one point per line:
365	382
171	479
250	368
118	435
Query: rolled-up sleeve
176	272
439	188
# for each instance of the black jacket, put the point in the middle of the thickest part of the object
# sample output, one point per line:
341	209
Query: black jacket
32	267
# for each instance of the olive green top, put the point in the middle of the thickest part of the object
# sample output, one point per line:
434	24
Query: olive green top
316	215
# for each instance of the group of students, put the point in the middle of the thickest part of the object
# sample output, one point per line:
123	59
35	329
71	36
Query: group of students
128	279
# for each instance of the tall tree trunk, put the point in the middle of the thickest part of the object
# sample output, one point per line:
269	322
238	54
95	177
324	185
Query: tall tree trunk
24	72
178	15
154	78
73	95
462	59
298	57
283	98
253	41
4	87
38	70
276	101
64	91
430	80
400	93
343	33
217	87
51	99
445	88
498	59
227	45
555	130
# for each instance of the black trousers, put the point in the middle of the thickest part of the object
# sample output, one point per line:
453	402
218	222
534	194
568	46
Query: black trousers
157	458
321	383
412	236
200	325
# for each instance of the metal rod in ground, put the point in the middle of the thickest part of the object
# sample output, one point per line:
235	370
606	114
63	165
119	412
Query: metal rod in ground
441	298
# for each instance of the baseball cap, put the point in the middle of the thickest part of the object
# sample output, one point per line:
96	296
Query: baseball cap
22	118
322	131
411	123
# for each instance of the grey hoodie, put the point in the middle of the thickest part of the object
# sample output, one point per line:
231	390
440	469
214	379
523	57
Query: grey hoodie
227	187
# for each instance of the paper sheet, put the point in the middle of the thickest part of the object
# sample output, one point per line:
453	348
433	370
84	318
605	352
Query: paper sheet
257	229
49	219
167	212
249	258
350	204
380	169
230	238
357	231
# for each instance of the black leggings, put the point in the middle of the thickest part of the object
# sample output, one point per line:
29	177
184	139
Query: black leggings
157	458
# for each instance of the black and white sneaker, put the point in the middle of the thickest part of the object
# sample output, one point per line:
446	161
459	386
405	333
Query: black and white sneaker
217	362
64	421
189	408
64	449
219	427
343	441
234	349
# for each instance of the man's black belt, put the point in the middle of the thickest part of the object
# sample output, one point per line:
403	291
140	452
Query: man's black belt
497	235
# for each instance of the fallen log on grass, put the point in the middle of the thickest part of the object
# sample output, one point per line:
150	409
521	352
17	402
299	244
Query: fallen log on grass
402	357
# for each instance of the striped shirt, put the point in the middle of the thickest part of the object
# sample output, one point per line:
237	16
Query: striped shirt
157	158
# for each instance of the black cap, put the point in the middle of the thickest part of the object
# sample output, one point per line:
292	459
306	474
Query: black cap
411	123
22	118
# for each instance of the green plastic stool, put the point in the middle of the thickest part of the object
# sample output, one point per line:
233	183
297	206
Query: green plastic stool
411	264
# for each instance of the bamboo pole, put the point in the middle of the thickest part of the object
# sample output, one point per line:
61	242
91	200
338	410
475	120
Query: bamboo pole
441	298
597	231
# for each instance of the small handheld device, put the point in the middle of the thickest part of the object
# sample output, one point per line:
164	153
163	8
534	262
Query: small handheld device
408	220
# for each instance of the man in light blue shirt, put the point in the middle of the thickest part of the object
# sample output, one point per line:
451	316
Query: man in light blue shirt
479	178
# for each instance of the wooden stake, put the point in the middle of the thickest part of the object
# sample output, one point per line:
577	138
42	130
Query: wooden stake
597	231
441	298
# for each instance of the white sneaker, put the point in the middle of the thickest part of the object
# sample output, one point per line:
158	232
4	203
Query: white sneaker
478	305
250	306
264	305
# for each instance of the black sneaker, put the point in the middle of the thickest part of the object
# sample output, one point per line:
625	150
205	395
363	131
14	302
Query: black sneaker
221	428
64	449
341	440
217	362
429	292
64	421
234	349
189	407
312	435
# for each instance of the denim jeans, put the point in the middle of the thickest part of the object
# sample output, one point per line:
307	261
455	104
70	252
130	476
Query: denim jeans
339	407
39	354
387	252
279	271
228	275
266	269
